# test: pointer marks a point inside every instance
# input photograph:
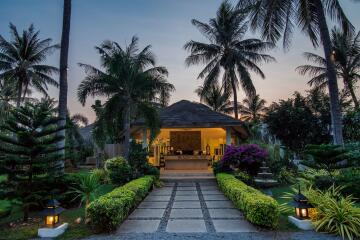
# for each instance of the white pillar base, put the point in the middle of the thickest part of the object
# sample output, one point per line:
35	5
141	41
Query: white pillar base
303	224
52	232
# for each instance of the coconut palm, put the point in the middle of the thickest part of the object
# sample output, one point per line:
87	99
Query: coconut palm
64	68
228	51
253	109
278	18
346	49
132	83
21	61
216	98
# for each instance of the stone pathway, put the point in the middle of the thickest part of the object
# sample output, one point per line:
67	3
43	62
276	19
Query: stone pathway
193	210
186	207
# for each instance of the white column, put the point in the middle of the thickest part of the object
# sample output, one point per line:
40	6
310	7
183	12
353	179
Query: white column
228	136
144	140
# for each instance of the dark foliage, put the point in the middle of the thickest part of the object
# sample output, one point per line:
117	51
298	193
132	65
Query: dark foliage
30	156
351	126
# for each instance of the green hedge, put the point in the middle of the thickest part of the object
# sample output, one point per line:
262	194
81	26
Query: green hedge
258	208
111	209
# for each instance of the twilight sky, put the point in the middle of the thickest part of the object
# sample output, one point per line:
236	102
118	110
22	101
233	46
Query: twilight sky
165	24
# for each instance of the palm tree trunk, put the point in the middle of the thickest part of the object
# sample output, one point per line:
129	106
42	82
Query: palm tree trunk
236	112
352	93
335	107
127	131
18	97
63	73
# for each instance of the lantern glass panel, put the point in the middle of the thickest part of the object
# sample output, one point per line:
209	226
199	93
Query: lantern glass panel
52	220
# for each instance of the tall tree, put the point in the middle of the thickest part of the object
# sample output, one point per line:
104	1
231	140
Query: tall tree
277	18
132	83
253	108
216	98
65	37
346	56
228	51
21	61
31	158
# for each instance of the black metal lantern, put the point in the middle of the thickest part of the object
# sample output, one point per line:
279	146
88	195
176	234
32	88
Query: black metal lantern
302	205
52	213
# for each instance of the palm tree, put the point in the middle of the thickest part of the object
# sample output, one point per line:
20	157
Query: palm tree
64	68
228	51
253	109
216	98
346	49
21	61
277	18
132	83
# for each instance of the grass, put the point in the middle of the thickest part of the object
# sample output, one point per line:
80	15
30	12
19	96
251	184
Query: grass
284	224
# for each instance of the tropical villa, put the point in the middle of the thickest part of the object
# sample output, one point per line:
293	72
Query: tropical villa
191	136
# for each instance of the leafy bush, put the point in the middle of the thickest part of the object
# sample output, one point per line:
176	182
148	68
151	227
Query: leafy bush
111	209
138	159
119	170
258	208
101	174
335	214
286	176
149	169
245	157
244	177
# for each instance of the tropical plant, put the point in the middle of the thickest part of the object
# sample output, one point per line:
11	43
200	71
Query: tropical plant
277	19
346	55
215	98
132	84
228	51
64	50
252	109
287	120
326	156
86	189
332	212
247	157
352	126
7	95
30	157
21	61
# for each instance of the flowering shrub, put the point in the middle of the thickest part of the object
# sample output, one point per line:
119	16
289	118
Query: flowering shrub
245	157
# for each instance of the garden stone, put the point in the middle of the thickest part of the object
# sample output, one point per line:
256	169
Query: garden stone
186	213
186	204
153	205
225	213
186	198
181	226
219	204
233	226
215	197
52	232
147	213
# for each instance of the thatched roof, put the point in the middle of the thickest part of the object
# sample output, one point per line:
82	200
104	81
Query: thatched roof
192	114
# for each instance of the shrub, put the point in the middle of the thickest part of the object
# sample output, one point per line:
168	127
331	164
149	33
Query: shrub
245	157
101	174
244	177
119	170
258	208
111	209
335	214
149	169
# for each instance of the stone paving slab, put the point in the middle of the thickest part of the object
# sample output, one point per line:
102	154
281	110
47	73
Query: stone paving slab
147	213
181	226
186	189
139	226
186	204
186	184
203	188
187	198
154	198
233	226
212	192
219	204
225	213
186	193
153	205
214	197
186	213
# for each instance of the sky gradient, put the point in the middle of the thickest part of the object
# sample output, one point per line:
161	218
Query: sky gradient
164	24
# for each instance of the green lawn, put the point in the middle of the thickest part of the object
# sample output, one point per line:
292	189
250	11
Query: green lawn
284	224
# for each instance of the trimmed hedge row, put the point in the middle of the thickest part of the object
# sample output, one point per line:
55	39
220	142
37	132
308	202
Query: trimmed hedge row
111	209
258	208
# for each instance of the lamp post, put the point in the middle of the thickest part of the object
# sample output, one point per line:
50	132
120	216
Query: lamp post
302	206
52	213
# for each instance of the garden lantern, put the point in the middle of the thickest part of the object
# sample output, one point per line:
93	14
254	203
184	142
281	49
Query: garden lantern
302	205
52	213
